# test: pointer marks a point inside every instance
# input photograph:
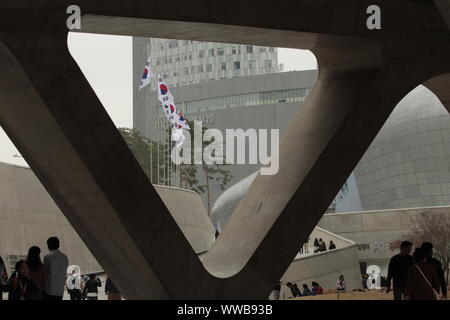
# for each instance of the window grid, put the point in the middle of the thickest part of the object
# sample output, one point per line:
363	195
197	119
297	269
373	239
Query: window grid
252	99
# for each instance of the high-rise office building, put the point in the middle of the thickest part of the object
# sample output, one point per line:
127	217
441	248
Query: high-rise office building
250	85
186	62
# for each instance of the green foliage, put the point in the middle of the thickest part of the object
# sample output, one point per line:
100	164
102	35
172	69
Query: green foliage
211	172
197	178
147	153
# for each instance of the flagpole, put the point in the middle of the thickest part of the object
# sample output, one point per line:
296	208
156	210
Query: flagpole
159	142
151	161
177	123
166	168
151	141
164	158
168	162
149	75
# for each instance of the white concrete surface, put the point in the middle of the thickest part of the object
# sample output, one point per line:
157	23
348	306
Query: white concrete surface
324	267
28	216
373	230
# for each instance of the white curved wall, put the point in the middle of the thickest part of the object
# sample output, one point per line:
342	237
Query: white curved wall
28	216
190	214
374	230
324	267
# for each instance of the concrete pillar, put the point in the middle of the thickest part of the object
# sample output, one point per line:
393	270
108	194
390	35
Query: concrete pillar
444	9
440	87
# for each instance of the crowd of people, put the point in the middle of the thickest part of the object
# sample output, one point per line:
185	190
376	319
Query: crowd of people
296	292
34	279
318	246
416	277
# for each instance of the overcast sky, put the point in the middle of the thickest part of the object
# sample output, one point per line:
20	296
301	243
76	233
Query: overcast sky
106	61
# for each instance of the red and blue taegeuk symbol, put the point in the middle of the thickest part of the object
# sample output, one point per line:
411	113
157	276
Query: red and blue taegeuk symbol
163	88
145	73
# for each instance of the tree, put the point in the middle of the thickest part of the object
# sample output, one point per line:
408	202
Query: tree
218	174
155	159
151	155
429	227
212	173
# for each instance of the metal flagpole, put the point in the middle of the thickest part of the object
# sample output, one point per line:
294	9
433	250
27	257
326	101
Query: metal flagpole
169	171
164	159
157	140
169	163
167	160
174	168
179	169
151	161
150	108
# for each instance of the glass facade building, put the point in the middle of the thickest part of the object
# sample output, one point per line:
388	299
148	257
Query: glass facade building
243	100
186	62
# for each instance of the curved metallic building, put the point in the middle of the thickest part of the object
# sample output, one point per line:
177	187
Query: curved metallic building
408	164
323	267
347	199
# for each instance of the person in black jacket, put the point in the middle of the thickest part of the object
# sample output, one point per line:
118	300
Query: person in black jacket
90	291
332	245
20	286
294	289
427	247
111	290
398	270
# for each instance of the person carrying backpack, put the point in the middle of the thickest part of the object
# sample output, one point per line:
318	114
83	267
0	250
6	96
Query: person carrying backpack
316	288
91	288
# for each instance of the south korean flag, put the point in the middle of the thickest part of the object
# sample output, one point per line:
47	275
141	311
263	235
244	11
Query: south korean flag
164	94
145	81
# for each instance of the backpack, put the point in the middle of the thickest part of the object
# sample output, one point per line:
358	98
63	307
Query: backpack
14	284
15	281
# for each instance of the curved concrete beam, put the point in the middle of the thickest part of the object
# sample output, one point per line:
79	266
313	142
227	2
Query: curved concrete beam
444	8
440	86
293	24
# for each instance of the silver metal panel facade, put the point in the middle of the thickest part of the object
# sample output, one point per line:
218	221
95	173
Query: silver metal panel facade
408	164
